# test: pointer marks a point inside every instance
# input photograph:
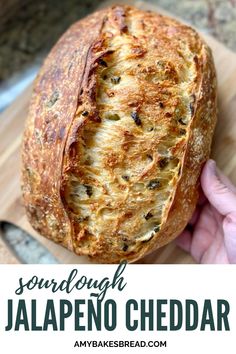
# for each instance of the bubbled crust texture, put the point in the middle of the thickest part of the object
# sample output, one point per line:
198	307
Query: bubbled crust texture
120	123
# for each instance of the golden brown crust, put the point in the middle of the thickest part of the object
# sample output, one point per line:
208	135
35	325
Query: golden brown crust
158	71
52	109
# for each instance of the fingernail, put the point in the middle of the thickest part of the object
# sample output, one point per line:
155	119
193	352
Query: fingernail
214	169
212	166
220	176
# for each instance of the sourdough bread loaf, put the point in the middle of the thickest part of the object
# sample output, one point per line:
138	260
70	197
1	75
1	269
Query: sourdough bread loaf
120	123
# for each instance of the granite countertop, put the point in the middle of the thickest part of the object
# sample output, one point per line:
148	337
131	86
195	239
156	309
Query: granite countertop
32	27
27	37
215	17
28	30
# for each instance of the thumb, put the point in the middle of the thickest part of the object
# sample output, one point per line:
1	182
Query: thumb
218	189
229	227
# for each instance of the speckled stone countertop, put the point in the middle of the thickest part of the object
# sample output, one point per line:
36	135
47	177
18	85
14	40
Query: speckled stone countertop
215	17
27	36
29	32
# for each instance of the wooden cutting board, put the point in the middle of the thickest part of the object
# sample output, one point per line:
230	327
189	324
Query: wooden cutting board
11	128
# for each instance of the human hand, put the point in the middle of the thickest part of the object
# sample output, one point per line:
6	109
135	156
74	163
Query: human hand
210	236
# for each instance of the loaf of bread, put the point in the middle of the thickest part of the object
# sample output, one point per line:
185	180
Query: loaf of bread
120	124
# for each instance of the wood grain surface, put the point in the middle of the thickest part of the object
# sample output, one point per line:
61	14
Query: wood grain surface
12	125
